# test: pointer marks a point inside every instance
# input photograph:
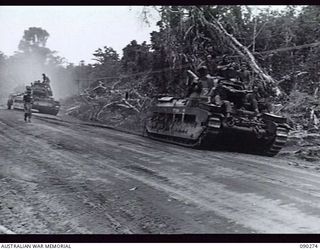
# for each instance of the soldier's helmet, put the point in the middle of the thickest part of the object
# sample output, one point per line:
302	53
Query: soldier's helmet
203	70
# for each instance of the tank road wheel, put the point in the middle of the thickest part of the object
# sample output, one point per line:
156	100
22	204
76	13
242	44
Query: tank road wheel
210	135
278	142
214	125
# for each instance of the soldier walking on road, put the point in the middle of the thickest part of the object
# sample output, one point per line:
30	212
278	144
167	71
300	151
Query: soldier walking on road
28	100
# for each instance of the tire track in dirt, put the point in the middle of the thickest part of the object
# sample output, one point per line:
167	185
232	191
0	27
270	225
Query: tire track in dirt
208	191
148	225
33	152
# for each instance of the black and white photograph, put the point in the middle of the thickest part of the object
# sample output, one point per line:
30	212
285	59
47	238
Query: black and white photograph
159	119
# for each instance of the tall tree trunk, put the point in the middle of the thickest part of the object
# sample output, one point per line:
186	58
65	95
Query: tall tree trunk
254	35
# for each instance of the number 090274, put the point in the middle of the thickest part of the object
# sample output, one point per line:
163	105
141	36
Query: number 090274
308	246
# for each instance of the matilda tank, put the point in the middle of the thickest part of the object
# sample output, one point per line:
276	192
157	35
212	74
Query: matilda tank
15	101
195	122
43	102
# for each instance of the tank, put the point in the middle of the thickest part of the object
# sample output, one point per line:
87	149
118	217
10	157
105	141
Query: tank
43	102
196	123
15	101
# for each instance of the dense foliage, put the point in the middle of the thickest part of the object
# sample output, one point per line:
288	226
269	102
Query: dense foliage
31	60
273	37
284	43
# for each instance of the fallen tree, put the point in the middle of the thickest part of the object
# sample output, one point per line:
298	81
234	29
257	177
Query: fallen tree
121	94
214	26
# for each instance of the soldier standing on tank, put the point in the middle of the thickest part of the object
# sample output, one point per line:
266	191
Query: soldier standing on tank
45	79
258	99
244	73
46	83
207	82
222	66
211	65
202	84
194	89
252	99
220	98
28	100
222	94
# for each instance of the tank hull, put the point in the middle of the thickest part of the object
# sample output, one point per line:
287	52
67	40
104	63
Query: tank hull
43	106
43	100
202	125
47	107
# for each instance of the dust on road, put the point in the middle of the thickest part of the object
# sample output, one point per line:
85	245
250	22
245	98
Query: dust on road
65	177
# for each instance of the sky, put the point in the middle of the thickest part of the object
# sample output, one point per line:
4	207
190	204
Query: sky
77	31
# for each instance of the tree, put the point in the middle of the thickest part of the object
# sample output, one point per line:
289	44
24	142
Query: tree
136	57
33	59
33	38
106	55
108	63
184	41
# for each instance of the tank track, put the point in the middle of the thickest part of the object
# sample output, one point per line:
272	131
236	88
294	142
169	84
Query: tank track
214	125
51	112
176	140
48	111
278	142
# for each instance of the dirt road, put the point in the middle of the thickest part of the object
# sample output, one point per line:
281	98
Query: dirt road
58	177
